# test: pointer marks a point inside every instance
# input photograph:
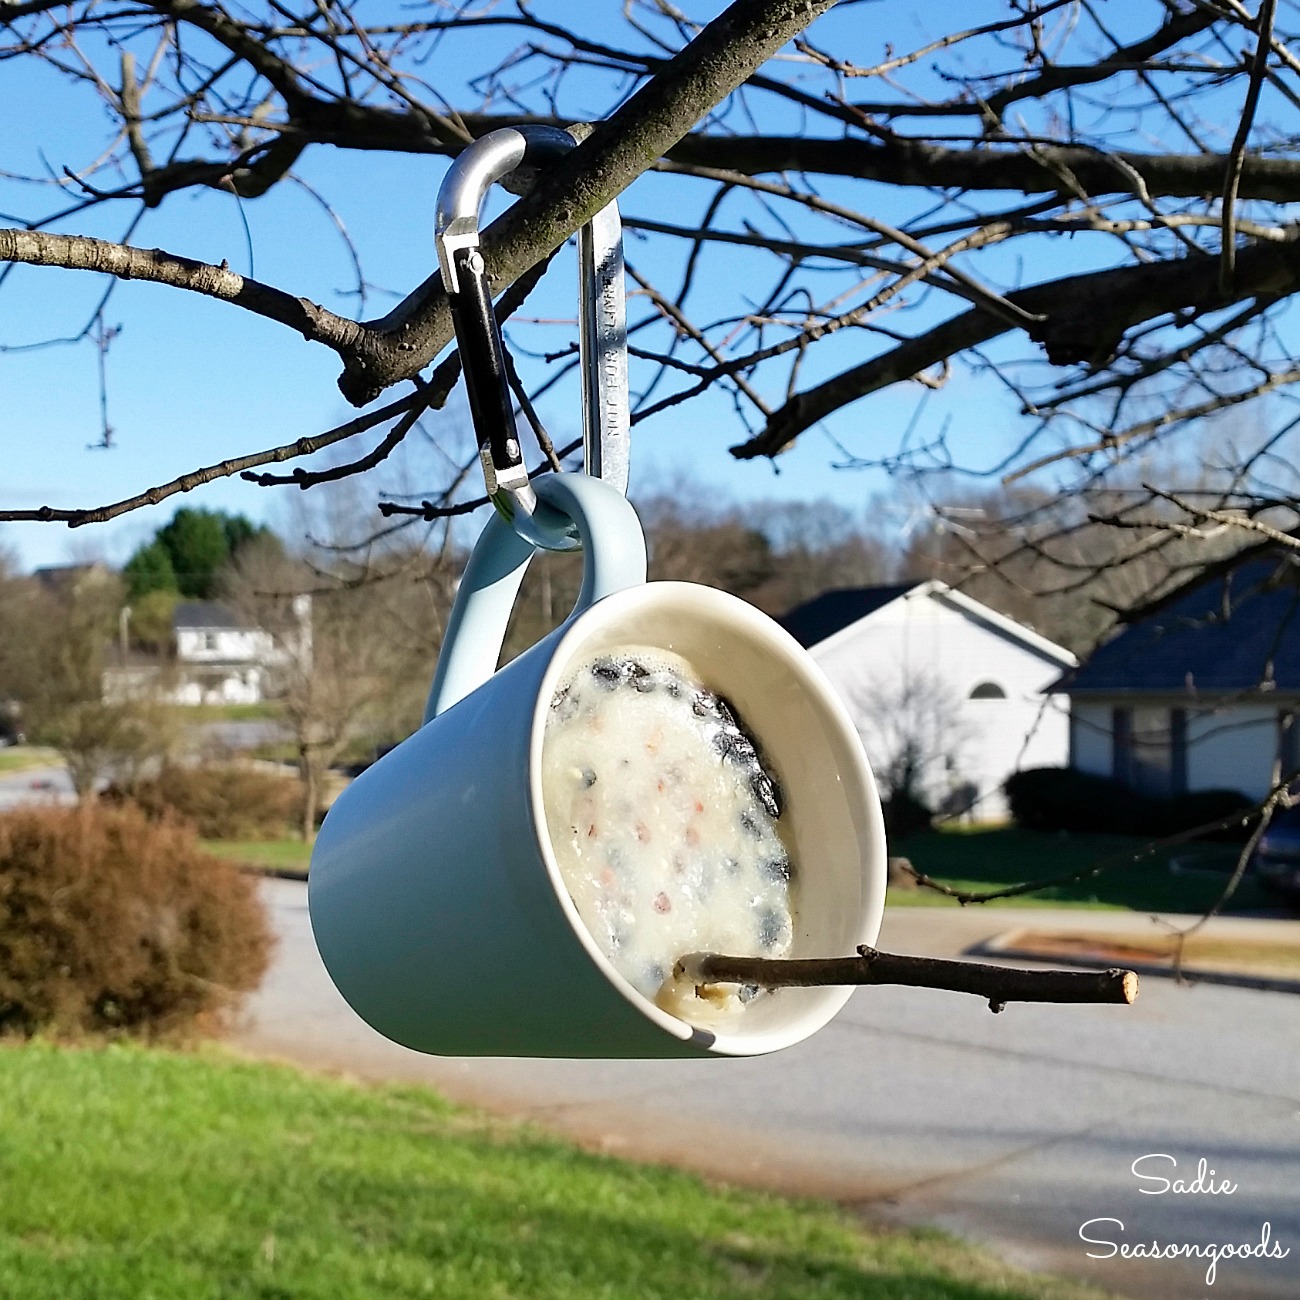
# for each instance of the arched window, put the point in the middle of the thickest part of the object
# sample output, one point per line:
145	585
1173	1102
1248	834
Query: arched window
988	691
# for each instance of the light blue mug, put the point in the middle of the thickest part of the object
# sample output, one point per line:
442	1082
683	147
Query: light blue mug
435	897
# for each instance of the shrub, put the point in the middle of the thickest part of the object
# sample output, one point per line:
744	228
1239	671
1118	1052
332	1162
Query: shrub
223	801
110	922
905	815
1062	799
1200	807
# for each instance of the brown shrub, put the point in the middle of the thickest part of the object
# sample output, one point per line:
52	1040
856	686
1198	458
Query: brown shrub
223	801
110	922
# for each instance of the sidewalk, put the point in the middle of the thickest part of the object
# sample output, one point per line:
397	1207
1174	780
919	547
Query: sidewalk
1247	951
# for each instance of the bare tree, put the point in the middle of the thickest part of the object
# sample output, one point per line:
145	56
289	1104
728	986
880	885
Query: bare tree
1087	204
914	733
354	648
57	637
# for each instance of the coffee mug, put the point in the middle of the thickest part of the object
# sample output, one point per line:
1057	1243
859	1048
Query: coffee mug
435	897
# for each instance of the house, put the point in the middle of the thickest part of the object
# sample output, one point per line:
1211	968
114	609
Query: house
1203	690
68	578
217	657
949	696
221	658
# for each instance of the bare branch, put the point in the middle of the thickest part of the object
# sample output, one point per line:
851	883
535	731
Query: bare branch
1237	154
187	482
1085	317
82	253
999	984
619	149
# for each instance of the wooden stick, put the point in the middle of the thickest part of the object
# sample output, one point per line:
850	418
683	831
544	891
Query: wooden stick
999	984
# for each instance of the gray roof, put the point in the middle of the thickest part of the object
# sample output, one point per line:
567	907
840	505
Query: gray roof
1233	631
824	615
206	616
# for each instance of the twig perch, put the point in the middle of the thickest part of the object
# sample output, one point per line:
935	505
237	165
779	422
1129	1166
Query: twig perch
999	984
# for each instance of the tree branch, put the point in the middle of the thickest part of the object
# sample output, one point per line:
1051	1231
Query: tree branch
75	518
82	253
1085	318
1053	77
1237	154
999	984
569	194
989	163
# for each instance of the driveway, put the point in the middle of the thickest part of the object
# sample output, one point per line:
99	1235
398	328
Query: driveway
922	1107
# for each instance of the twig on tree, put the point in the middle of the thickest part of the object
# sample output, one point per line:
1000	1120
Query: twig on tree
75	518
431	510
1237	155
999	984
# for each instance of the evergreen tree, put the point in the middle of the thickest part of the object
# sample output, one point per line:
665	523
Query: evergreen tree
149	569
196	542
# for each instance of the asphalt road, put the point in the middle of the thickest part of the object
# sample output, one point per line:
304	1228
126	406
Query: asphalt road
919	1106
36	785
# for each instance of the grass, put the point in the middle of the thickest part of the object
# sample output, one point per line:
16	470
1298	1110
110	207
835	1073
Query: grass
980	859
279	855
21	758
976	860
266	710
147	1175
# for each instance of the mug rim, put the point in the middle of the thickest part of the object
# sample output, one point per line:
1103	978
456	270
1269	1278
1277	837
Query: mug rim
760	627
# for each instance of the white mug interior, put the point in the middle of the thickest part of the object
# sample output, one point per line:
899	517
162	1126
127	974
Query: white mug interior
832	820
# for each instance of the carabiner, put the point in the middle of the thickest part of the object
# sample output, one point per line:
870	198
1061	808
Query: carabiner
602	341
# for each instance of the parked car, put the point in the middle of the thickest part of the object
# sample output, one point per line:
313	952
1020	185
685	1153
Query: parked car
1277	855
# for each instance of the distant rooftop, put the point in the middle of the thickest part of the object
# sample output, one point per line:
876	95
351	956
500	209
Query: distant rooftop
824	615
1233	631
57	577
207	616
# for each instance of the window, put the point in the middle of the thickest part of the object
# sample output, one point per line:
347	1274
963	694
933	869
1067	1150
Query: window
1149	749
988	691
209	640
1288	742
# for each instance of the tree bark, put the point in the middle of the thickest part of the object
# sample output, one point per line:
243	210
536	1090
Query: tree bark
999	984
1084	318
308	768
569	194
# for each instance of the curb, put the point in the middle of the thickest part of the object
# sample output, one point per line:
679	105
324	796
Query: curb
1031	946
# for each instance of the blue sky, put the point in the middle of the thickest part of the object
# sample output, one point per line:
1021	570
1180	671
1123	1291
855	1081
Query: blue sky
191	382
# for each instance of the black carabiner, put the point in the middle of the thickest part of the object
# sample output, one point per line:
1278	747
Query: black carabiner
602	340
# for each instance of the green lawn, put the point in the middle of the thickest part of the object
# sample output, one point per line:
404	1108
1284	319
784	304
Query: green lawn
975	860
19	758
263	711
146	1175
280	855
979	860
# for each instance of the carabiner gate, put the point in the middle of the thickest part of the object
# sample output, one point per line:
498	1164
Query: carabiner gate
602	341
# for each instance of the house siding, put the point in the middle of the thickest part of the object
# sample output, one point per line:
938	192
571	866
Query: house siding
217	645
1231	747
921	635
1091	738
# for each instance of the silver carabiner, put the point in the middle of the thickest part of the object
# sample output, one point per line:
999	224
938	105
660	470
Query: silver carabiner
602	341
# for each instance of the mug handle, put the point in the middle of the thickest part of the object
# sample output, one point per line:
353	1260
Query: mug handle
613	557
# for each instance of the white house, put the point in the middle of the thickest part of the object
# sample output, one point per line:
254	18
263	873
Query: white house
1203	692
935	678
220	658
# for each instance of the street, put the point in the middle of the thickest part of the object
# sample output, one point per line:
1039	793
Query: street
36	785
918	1106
